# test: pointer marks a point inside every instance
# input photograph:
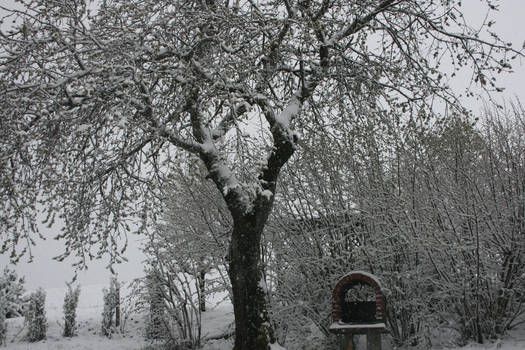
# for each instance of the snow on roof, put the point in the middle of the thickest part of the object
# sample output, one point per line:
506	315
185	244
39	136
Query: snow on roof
364	273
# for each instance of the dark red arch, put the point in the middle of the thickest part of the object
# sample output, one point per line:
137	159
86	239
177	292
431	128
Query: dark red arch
347	282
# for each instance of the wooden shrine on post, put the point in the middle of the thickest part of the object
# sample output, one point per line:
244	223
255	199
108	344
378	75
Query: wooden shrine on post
358	307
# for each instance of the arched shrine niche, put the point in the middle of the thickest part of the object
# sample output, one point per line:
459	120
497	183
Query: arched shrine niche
358	302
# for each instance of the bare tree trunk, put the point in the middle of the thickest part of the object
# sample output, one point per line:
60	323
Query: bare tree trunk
201	284
252	329
117	305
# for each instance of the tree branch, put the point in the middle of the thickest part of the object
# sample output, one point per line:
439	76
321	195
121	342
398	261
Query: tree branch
359	23
226	123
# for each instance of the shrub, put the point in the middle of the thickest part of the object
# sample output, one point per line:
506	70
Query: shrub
12	289
111	308
70	310
35	316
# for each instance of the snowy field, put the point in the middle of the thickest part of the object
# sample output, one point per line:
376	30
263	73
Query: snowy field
216	321
89	315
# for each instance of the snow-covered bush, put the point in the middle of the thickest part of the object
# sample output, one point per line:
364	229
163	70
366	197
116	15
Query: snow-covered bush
70	310
35	316
12	288
111	308
437	215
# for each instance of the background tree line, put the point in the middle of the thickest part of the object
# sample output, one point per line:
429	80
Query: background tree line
436	211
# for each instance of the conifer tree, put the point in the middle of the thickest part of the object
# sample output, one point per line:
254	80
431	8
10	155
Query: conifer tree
111	305
70	310
35	316
12	288
3	325
155	326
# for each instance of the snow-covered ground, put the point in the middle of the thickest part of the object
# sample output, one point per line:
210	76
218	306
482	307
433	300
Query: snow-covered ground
89	315
514	341
216	321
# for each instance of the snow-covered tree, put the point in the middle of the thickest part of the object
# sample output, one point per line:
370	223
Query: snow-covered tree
194	230
99	99
157	326
35	316
12	289
3	324
70	310
111	309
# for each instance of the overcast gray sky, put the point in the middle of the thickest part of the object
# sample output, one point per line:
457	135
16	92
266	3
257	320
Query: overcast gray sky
48	273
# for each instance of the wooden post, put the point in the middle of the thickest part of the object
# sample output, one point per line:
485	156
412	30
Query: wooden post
201	279
373	339
347	342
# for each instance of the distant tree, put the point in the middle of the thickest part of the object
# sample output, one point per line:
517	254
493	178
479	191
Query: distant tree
194	230
98	104
70	310
35	316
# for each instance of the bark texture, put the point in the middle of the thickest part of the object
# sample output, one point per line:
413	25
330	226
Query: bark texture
252	328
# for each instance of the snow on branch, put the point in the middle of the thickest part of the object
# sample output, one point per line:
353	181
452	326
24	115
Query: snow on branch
289	113
226	123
